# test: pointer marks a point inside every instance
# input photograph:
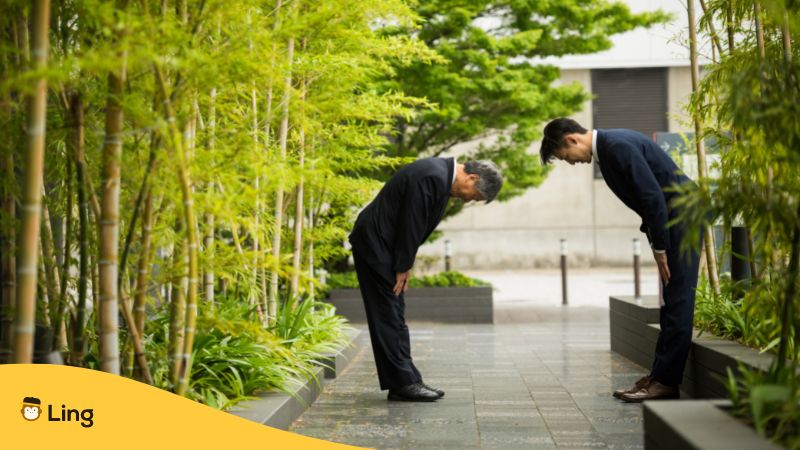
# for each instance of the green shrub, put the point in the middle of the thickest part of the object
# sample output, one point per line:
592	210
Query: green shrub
349	280
234	357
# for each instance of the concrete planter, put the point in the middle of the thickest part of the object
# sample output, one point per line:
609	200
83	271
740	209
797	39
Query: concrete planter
437	304
279	410
697	425
634	331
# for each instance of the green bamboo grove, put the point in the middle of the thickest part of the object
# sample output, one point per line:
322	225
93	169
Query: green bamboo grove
748	103
168	163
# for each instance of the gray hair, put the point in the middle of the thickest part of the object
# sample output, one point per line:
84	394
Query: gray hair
491	180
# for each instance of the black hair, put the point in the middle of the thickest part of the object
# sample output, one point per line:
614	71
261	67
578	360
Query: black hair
554	134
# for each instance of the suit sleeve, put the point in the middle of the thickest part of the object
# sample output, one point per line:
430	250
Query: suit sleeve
652	207
413	223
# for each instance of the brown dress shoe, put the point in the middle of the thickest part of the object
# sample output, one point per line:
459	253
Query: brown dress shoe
642	383
654	391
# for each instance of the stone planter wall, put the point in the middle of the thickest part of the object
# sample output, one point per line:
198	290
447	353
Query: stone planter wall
279	410
634	330
439	304
697	425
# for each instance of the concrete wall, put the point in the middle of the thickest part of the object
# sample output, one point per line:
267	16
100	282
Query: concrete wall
525	231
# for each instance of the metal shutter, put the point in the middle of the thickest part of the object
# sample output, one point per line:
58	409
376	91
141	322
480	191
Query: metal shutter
630	98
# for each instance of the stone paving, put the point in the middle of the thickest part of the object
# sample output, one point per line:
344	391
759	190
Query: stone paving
541	380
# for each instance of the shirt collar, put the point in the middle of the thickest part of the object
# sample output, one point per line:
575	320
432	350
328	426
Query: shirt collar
455	168
594	146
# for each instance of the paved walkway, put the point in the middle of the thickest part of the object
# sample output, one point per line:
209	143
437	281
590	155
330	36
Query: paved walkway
542	381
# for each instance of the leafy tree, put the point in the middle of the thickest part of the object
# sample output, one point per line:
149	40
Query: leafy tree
489	84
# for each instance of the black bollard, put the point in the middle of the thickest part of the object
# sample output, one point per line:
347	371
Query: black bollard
637	269
564	272
447	255
740	259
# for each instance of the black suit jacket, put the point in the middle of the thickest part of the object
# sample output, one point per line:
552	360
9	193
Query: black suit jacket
408	208
638	171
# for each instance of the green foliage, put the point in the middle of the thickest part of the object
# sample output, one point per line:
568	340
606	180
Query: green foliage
770	401
349	280
748	100
235	357
446	279
753	319
487	82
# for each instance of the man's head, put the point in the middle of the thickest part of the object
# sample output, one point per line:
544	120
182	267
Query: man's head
479	181
566	140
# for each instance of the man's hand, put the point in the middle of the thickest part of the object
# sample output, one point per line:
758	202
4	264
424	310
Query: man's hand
401	285
663	267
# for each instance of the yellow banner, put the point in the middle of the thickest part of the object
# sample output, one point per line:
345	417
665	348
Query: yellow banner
61	407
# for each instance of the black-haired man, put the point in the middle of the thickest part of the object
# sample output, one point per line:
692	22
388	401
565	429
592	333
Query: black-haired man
641	174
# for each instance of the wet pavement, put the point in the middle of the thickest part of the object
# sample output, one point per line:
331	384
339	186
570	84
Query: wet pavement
541	378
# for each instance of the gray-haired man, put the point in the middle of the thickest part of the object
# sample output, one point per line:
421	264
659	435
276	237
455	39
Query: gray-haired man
385	240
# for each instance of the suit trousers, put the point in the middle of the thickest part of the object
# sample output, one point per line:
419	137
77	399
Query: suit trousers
388	332
677	312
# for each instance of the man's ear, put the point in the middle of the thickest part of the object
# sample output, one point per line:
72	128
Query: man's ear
571	139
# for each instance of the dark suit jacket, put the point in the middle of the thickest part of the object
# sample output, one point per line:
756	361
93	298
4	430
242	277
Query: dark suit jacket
411	204
638	171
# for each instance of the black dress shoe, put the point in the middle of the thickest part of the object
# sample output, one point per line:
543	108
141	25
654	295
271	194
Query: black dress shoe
438	391
416	392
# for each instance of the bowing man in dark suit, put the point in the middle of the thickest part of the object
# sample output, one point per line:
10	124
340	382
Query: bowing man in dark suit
385	240
641	174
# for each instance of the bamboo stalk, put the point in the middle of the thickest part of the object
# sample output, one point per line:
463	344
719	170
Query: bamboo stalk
31	191
52	281
192	239
136	339
109	223
143	272
63	305
177	328
759	31
299	212
711	258
143	191
9	234
9	260
712	31
284	131
208	241
76	108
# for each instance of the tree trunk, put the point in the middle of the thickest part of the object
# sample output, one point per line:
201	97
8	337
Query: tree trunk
711	259
276	236
32	191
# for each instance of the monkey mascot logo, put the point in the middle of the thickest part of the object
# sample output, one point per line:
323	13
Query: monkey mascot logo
31	408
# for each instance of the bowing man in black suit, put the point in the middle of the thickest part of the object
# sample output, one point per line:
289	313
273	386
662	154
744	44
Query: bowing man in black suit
385	240
641	174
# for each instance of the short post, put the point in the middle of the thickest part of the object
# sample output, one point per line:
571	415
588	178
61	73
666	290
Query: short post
448	253
637	269
740	260
564	272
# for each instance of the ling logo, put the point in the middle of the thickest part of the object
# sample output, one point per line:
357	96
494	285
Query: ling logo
32	410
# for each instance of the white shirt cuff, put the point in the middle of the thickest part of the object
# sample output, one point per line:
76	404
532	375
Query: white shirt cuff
659	251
